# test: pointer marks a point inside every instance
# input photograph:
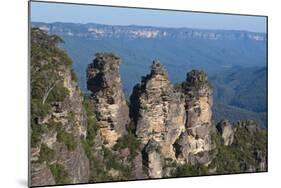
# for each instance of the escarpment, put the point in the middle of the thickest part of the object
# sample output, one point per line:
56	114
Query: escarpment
58	119
112	112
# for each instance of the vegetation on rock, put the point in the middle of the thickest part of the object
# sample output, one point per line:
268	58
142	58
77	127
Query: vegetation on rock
59	173
129	141
56	114
190	170
47	63
241	155
46	154
67	139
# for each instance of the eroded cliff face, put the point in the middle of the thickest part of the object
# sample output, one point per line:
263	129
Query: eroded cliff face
225	128
112	112
58	119
158	111
153	159
180	121
65	121
64	126
194	144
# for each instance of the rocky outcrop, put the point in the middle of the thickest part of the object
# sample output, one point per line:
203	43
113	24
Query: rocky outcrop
103	80
226	131
196	141
190	150
158	110
153	159
66	119
58	119
180	121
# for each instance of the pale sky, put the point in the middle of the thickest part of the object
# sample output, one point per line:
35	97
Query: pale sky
59	12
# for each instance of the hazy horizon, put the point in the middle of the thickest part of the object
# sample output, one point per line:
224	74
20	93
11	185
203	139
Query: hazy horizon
163	27
106	15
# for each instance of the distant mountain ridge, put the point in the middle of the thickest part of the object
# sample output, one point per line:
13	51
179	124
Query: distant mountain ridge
98	31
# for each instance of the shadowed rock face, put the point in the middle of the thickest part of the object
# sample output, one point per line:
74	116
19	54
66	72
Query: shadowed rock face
227	132
194	143
107	94
158	110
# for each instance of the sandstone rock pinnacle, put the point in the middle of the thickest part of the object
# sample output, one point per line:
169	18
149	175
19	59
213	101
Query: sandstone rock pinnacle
198	106
158	110
103	79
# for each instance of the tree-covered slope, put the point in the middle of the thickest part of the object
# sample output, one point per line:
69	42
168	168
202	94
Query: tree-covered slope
242	87
241	93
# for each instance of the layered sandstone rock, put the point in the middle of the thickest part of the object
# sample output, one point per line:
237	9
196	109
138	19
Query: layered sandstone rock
66	117
103	80
179	121
194	144
154	159
158	110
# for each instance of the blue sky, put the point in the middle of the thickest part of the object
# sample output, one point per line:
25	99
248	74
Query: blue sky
56	12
